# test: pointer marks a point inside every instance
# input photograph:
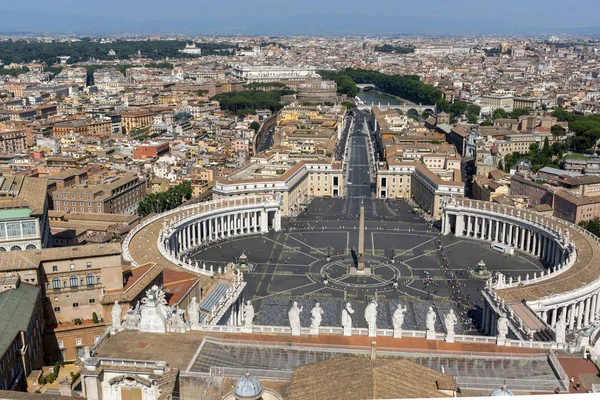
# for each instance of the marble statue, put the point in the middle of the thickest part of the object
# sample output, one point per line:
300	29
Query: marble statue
154	311
347	319
502	329
431	319
371	318
193	310
398	320
175	322
316	316
450	321
294	317
248	314
560	330
116	315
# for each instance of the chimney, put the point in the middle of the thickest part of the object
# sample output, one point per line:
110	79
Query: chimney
373	350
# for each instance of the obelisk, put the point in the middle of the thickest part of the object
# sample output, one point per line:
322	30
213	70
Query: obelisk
361	239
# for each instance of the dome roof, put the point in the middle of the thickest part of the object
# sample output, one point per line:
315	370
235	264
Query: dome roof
248	388
502	391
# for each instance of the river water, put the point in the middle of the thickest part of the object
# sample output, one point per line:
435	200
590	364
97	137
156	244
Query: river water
377	97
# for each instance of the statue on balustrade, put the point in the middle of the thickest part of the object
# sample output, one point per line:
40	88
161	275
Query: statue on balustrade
294	317
193	311
398	320
371	318
248	314
450	321
347	319
431	319
316	316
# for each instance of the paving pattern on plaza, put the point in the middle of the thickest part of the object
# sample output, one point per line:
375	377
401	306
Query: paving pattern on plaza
291	265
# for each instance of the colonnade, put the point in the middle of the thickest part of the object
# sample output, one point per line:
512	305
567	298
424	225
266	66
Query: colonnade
544	238
224	225
577	314
513	233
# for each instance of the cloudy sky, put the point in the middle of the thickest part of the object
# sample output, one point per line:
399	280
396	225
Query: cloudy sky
279	17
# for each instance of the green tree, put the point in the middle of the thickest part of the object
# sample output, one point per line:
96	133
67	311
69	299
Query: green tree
546	149
487	122
592	226
499	113
345	85
458	108
472	118
255	125
518	112
246	111
561	114
558	130
349	105
500	165
473	109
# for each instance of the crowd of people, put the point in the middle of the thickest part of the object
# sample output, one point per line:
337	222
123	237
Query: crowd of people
464	303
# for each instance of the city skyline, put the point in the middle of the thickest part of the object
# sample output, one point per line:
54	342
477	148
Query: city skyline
293	17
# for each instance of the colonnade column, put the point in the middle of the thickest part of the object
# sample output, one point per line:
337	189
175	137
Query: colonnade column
579	314
572	316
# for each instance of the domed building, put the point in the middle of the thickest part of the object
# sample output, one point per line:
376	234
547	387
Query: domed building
249	388
502	391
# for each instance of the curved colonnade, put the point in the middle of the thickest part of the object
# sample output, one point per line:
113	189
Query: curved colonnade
569	288
168	238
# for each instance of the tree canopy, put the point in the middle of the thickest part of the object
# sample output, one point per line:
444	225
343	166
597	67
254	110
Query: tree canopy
24	51
251	99
165	201
592	225
408	87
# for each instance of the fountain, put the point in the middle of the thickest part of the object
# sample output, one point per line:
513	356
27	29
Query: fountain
480	271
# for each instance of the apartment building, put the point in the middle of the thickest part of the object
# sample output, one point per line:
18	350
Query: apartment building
416	181
131	120
13	141
492	101
21	346
101	128
23	213
147	150
116	195
296	181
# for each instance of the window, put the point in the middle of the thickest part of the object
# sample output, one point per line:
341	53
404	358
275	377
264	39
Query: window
55	268
55	283
89	265
73	281
72	267
75	305
78	341
61	344
98	280
90	279
57	309
92	301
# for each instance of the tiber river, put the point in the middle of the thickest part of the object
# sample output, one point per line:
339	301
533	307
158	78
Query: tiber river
376	98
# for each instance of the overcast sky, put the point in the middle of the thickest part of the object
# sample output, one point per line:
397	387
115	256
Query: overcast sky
273	17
